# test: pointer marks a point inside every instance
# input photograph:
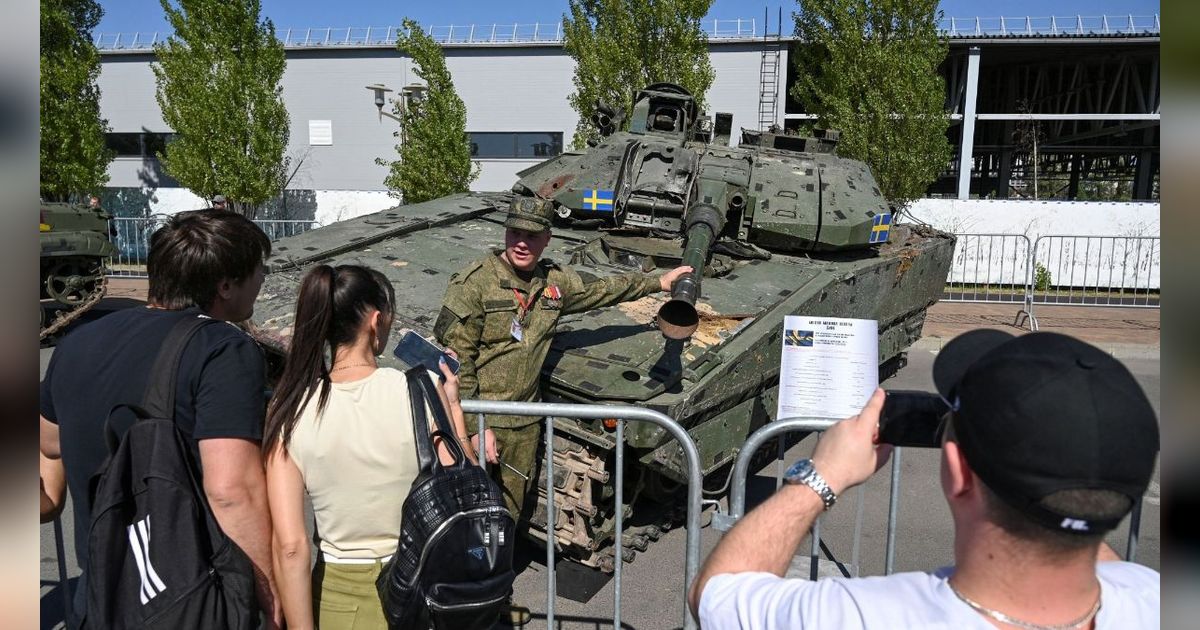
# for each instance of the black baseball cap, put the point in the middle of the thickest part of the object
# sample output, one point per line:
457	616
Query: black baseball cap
1045	412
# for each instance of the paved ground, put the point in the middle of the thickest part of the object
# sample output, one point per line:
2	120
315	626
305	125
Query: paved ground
652	586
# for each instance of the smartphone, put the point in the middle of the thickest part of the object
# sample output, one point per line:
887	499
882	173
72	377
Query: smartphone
912	418
415	350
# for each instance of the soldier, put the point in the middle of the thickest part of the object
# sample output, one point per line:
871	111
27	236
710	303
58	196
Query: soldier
500	315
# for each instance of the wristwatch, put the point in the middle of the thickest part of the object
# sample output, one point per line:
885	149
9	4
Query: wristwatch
802	472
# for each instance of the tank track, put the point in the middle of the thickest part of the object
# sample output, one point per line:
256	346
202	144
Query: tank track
78	305
585	510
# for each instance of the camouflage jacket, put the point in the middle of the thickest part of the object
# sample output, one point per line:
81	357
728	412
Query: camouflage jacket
477	316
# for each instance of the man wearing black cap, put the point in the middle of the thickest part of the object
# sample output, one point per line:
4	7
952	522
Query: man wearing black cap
1048	443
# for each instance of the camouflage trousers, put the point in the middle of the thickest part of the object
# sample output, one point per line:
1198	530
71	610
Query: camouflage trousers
518	447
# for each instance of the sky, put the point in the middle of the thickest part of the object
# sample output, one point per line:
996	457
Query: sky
127	16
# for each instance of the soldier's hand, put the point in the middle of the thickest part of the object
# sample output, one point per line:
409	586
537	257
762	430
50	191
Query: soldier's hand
667	279
489	446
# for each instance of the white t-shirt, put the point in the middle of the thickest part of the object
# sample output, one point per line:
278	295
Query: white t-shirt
1128	599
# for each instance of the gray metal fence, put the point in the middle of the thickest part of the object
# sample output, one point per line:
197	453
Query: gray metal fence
1056	269
778	428
1097	270
131	236
992	268
622	414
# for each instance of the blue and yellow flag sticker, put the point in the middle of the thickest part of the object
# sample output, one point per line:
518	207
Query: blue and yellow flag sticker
880	228
597	199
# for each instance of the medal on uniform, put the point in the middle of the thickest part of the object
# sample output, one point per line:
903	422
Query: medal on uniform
553	297
515	330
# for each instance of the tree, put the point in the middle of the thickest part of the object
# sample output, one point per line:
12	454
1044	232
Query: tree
870	69
434	150
74	157
621	46
218	86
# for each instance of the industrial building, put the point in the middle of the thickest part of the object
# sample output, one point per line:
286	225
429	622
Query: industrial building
1086	88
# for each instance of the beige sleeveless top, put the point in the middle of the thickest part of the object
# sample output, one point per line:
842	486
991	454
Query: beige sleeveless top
358	459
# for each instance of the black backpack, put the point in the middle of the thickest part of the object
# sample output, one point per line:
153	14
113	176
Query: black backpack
157	557
453	564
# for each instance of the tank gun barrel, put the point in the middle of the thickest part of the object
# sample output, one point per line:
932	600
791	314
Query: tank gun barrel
678	318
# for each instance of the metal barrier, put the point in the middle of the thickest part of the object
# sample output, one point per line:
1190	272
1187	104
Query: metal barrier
992	268
741	470
1097	270
131	236
621	413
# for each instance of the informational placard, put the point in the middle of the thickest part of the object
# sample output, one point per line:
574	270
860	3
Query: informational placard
829	366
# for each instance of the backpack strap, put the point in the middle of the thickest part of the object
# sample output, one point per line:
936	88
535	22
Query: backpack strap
420	390
159	398
158	401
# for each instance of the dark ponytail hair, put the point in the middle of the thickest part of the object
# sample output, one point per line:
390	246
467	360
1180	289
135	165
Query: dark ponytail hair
329	312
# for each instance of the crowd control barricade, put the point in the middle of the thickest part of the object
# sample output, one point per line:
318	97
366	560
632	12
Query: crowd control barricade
1097	270
741	471
992	268
621	413
131	237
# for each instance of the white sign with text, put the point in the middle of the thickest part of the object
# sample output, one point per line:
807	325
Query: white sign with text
829	366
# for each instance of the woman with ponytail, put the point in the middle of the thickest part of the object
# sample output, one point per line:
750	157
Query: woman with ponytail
339	429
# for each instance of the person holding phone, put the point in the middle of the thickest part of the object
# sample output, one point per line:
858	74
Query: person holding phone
1047	445
500	315
342	433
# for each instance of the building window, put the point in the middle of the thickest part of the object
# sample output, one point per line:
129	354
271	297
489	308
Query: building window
523	145
145	144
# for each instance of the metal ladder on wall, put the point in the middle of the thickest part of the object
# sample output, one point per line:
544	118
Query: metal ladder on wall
768	72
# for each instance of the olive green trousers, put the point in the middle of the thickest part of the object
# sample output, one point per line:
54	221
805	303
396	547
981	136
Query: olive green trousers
346	596
518	447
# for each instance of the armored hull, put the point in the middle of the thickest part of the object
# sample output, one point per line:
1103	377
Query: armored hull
720	383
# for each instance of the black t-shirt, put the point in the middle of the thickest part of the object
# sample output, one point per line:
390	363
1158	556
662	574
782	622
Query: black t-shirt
220	392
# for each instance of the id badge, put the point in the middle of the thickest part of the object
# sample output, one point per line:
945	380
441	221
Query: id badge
516	331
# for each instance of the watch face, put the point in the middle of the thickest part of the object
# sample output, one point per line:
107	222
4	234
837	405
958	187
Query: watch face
797	471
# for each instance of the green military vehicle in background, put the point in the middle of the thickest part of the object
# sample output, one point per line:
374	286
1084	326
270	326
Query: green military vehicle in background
75	250
778	225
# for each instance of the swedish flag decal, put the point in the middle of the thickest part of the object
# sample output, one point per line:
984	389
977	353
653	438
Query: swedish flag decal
880	228
599	200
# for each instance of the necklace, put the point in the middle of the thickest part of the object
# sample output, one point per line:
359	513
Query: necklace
1003	618
351	365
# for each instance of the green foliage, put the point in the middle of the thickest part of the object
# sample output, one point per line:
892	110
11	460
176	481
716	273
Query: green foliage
435	152
869	68
74	158
621	46
218	86
1041	277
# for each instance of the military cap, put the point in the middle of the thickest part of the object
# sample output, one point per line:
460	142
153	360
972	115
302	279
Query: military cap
531	214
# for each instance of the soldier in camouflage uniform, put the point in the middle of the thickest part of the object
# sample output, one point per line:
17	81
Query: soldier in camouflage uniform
500	315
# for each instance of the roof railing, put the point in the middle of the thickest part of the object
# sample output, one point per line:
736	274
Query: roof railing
740	28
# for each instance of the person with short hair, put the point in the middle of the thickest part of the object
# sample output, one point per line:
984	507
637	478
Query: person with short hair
1048	443
219	202
200	263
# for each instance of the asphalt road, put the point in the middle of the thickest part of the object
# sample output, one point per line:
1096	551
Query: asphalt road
652	586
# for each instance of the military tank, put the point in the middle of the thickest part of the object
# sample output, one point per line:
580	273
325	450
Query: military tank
75	248
778	225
